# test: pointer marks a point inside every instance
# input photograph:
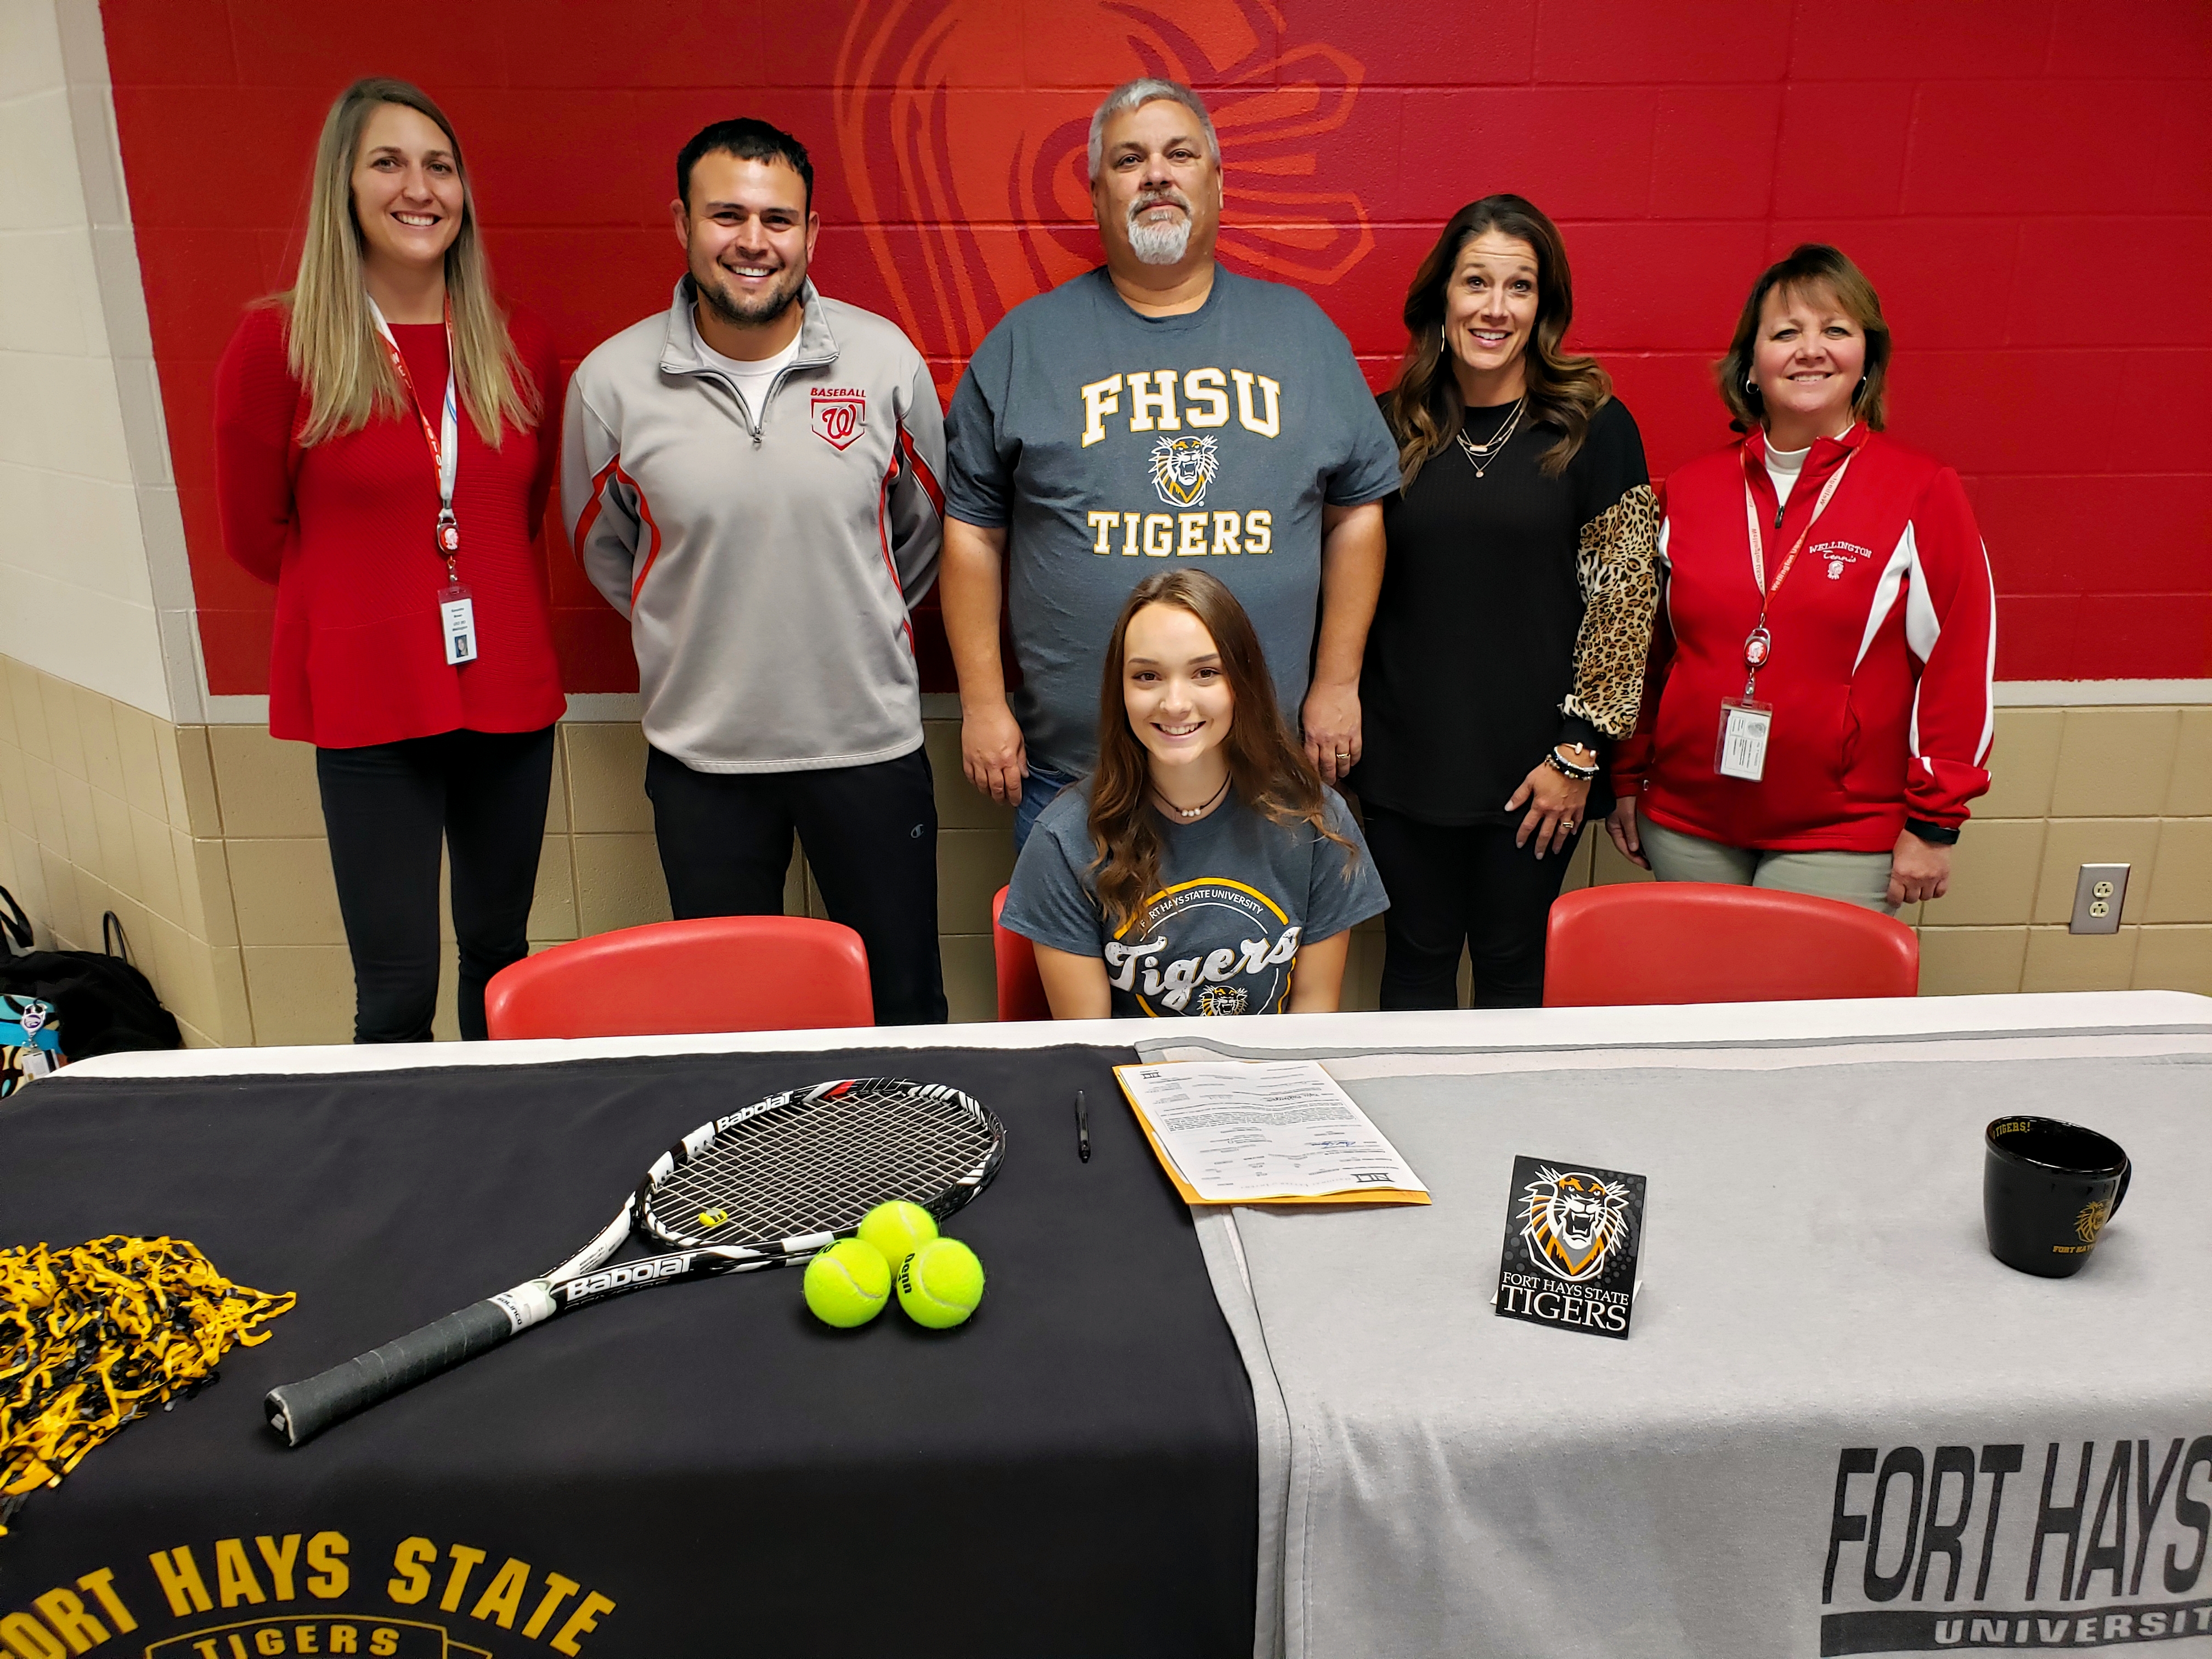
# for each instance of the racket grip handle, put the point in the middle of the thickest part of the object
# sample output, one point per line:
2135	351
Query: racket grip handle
300	1411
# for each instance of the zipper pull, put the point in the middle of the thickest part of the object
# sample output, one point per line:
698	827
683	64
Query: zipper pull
1777	506
757	438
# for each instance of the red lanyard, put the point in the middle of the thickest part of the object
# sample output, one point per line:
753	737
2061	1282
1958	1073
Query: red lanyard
1759	644
444	438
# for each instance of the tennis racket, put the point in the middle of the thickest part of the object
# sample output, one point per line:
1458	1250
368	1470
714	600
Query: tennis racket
764	1186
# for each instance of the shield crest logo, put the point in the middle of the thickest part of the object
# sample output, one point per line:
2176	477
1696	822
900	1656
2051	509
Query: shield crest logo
839	416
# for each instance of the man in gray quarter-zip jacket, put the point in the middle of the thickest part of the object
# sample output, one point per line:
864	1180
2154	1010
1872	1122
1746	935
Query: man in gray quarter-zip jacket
751	478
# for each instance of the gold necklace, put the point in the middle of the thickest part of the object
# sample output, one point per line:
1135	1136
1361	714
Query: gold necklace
1479	456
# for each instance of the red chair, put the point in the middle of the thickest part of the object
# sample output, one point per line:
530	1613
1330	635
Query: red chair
1671	942
1021	993
667	978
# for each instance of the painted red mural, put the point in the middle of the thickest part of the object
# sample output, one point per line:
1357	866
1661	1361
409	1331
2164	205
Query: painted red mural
2029	185
994	235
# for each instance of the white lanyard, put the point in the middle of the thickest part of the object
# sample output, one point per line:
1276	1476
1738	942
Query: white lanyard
444	442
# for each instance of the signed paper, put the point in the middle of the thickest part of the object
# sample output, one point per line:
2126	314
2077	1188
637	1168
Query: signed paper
1256	1131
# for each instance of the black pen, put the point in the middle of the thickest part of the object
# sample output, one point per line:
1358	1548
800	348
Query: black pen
1082	1129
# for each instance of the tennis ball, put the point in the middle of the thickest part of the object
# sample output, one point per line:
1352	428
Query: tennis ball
847	1284
898	1230
940	1284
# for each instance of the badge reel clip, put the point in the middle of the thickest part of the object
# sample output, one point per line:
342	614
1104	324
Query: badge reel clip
1739	751
457	613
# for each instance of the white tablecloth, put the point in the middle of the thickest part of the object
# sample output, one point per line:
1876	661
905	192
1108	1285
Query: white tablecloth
1819	1318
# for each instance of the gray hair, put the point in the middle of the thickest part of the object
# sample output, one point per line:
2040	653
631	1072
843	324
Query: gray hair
1132	96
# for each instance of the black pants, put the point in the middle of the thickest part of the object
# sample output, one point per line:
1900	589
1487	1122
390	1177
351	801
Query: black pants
869	834
1461	885
386	807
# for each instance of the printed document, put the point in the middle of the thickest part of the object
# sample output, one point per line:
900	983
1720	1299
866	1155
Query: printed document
1270	1131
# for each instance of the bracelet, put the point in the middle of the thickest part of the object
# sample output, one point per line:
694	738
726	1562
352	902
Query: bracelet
1567	769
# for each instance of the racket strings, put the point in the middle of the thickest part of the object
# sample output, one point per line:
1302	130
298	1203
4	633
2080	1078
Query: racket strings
795	1186
819	1174
804	1166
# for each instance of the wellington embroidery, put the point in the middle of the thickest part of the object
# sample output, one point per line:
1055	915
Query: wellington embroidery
1839	554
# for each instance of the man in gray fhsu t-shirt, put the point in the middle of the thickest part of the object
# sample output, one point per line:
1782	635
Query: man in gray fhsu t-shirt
1159	407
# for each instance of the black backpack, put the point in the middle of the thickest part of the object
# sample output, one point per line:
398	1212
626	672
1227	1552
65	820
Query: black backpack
106	1004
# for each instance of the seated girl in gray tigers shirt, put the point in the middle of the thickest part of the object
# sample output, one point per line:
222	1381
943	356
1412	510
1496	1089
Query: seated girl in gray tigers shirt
1204	868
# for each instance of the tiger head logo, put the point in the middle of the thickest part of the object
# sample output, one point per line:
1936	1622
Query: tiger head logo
2092	1219
1222	1000
1181	469
1573	1222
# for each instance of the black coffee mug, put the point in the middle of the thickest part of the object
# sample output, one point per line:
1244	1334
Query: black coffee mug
2048	1189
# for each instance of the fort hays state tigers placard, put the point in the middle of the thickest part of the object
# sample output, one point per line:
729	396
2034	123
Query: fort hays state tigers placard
1571	1236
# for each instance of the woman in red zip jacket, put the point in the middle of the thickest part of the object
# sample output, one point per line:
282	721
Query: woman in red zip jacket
385	438
1817	713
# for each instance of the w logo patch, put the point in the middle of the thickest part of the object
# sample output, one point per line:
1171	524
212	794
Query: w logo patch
839	416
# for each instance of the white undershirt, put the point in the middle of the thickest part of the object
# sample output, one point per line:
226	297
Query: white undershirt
1782	466
753	379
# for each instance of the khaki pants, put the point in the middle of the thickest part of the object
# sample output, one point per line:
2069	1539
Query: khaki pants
1861	878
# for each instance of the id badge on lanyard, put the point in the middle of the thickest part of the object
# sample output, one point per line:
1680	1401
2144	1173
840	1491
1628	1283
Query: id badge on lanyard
1740	747
1740	751
457	618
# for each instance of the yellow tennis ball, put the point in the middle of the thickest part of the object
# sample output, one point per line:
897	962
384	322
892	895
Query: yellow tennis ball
847	1284
940	1284
898	1230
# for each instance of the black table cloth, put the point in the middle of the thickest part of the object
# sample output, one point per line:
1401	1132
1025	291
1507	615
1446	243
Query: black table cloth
699	1469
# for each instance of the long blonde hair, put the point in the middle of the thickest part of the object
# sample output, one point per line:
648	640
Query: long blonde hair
333	345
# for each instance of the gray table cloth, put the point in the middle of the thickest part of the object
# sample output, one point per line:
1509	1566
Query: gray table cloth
1839	1426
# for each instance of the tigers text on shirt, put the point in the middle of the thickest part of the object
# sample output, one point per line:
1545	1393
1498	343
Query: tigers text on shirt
1100	438
1238	895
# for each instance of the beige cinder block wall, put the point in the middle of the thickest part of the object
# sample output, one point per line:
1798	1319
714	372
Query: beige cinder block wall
2086	784
105	796
207	841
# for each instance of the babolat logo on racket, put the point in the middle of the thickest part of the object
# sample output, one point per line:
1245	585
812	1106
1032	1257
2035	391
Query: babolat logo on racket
630	1272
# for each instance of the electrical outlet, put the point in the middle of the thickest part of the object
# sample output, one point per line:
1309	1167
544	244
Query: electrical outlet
2099	892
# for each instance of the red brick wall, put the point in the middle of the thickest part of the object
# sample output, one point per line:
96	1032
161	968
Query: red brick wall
2029	184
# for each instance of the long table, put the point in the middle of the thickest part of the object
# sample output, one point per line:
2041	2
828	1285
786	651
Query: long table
1831	1397
701	1468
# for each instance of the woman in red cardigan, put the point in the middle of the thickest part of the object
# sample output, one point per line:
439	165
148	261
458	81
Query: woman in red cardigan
1817	713
383	443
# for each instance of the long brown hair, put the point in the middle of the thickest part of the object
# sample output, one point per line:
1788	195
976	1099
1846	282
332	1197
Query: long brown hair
1810	265
1425	408
333	345
1268	771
